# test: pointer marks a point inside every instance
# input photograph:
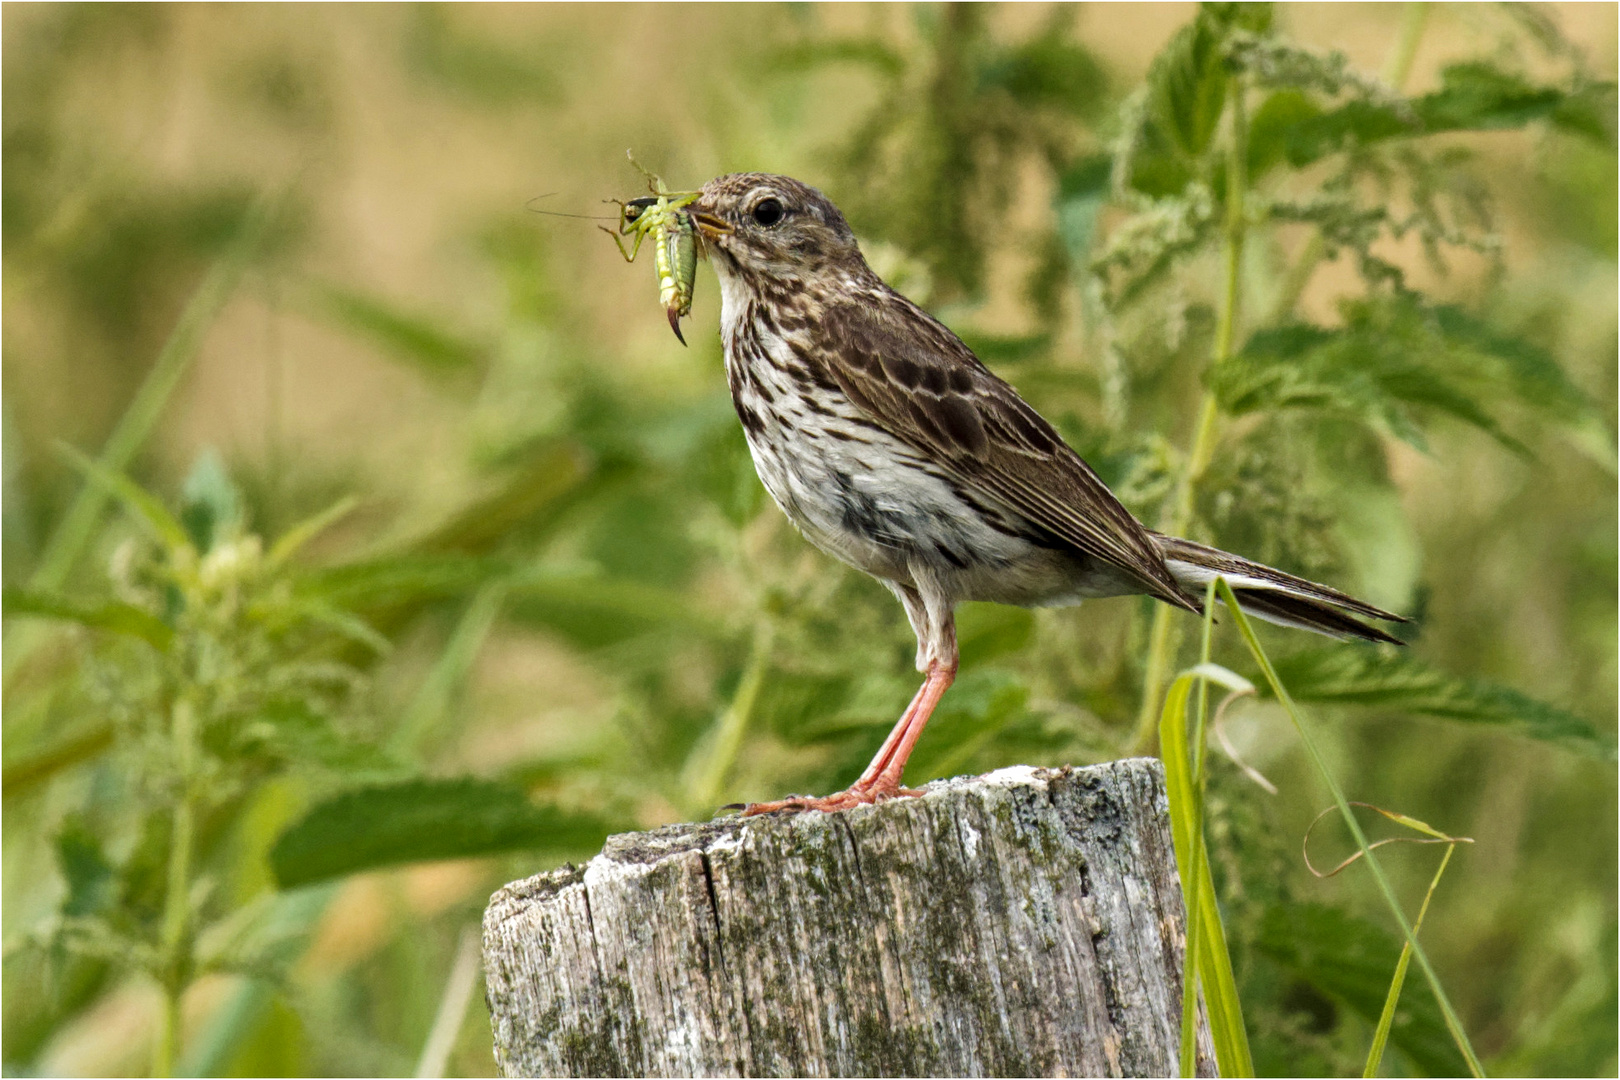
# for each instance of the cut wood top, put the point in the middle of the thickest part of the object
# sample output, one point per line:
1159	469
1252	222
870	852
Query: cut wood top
1026	922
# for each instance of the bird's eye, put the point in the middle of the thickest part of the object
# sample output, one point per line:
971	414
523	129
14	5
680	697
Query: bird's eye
767	212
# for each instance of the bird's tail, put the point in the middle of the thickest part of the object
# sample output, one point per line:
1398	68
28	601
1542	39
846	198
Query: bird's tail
1271	594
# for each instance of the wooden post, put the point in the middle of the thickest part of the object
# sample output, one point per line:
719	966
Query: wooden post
1027	922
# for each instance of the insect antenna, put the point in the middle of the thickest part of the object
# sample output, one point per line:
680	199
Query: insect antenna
533	209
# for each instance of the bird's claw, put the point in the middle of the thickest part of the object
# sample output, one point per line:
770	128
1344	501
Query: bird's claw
842	800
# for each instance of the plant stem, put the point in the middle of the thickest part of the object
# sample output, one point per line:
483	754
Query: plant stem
448	676
1163	638
458	989
176	955
713	758
1399	64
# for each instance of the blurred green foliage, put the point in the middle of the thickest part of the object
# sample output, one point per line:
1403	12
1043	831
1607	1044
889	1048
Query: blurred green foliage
560	602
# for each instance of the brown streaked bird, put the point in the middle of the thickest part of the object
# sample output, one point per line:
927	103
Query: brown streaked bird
893	448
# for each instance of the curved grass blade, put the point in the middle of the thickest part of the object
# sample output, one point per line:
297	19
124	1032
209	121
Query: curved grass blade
1386	1019
1452	1022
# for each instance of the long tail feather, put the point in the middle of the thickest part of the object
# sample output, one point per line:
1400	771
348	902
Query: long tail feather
1273	595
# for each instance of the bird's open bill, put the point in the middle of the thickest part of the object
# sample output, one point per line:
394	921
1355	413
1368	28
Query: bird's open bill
710	226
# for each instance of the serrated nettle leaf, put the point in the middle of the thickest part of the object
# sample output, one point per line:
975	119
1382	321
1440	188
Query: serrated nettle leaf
420	820
1272	128
1394	362
1480	96
1351	959
1359	676
1473	96
1187	89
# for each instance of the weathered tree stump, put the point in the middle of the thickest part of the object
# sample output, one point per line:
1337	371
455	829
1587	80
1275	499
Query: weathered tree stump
1027	922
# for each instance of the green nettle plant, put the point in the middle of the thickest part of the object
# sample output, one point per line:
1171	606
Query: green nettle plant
1237	136
213	677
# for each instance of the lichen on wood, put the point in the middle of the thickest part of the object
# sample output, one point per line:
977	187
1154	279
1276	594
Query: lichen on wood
1027	922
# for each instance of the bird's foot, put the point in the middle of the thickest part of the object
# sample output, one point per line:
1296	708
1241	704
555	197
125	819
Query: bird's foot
857	795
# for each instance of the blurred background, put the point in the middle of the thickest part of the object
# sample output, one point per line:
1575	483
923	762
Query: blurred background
273	261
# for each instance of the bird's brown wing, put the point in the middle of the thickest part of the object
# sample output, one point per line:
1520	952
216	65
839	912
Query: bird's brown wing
919	382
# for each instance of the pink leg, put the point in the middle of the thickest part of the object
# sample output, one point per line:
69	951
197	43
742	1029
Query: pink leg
940	677
886	751
881	780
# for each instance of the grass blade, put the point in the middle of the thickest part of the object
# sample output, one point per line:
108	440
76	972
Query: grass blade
1207	964
173	361
1386	1019
1452	1022
143	505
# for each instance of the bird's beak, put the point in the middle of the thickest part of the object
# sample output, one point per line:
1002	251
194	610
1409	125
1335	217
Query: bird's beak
710	226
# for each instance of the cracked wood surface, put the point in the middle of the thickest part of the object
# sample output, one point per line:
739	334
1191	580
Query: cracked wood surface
1027	923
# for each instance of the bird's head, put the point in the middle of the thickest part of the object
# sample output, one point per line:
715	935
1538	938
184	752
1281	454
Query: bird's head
756	225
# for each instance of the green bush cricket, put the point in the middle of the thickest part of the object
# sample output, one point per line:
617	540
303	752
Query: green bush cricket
662	215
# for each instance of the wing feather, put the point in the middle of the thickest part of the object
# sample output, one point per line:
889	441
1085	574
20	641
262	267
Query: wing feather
918	381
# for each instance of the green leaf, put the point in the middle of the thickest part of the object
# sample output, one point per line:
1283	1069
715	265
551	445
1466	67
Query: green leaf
114	615
595	611
211	505
418	820
399	579
986	631
1395	363
291	541
1274	127
1474	96
1453	1024
1477	96
1350	960
91	880
1186	93
1359	676
1210	960
423	344
145	506
1355	123
1050	71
